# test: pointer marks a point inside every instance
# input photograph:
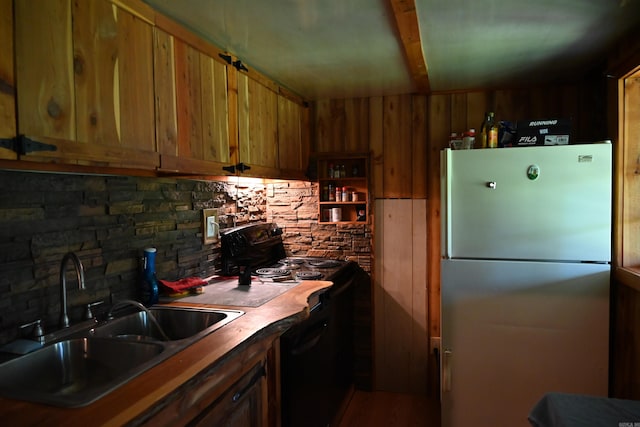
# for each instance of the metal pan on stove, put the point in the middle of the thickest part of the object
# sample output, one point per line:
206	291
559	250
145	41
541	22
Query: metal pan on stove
309	275
272	272
324	263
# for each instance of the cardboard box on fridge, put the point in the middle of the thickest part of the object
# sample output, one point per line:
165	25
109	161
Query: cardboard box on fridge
542	132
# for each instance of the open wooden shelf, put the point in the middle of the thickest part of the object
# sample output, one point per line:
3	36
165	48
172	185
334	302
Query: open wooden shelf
353	176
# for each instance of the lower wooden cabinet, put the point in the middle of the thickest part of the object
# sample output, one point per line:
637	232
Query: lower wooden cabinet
242	404
242	390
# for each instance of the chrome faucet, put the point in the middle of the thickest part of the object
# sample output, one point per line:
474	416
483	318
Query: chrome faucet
125	302
64	318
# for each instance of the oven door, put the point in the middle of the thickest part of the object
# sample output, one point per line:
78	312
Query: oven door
317	362
308	371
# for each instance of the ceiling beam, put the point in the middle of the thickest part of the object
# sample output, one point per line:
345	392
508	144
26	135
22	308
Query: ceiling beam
406	19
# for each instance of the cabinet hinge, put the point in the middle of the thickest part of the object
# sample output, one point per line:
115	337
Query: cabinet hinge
238	167
8	143
23	145
242	167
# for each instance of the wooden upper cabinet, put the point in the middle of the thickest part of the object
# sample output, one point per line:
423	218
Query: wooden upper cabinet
114	83
257	110
7	85
191	106
210	116
293	137
85	83
272	128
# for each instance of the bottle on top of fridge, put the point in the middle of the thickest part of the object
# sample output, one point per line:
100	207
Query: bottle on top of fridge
455	141
469	139
493	135
489	132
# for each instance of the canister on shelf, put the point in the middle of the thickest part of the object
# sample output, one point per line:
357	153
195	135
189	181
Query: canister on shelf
345	194
338	194
336	214
332	194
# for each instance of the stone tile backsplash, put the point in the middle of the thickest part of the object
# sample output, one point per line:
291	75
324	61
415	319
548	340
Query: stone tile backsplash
108	221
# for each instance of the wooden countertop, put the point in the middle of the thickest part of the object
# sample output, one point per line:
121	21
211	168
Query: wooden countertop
148	389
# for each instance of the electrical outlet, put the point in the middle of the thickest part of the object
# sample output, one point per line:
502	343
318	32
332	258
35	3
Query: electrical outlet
434	344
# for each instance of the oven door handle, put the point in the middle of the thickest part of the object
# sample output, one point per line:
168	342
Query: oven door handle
310	339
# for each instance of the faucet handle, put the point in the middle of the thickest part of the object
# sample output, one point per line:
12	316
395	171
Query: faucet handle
38	332
88	314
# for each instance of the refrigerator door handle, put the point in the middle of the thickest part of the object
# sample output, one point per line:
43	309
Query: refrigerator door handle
446	371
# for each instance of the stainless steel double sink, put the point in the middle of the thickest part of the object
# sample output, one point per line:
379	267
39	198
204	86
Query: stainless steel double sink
88	364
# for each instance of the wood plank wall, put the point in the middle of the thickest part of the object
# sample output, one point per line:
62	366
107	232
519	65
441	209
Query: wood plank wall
625	356
404	135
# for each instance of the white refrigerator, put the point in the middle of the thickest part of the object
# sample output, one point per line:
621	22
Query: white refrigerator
525	273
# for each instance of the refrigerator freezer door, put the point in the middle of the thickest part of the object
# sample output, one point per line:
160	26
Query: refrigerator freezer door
517	330
530	203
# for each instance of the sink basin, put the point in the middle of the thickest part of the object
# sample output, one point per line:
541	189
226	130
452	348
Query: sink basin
75	372
87	364
177	324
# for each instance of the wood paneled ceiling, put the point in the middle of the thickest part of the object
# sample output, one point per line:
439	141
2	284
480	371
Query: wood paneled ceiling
357	48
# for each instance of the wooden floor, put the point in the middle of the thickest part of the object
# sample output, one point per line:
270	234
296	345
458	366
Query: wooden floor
384	409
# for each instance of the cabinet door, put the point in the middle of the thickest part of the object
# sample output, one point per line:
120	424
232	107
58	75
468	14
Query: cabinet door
257	127
44	66
293	137
243	404
85	82
7	88
192	106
